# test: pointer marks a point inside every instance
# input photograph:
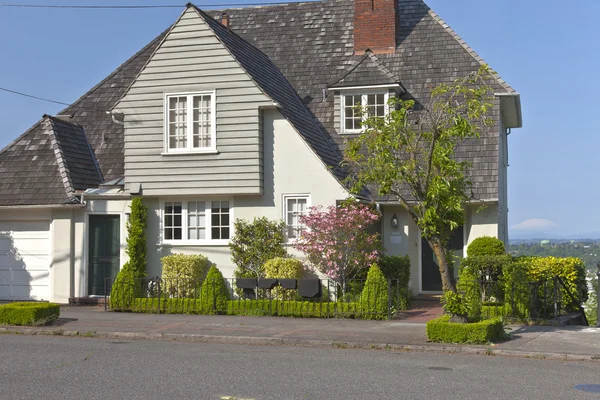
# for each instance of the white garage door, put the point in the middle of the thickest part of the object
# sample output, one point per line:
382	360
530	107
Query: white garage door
24	260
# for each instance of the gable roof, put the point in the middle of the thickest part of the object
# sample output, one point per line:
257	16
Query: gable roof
293	51
47	165
367	71
270	79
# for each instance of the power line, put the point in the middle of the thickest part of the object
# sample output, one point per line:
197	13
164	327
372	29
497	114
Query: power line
139	6
48	100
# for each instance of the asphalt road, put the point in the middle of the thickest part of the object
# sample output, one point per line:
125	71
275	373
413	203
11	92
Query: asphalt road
84	368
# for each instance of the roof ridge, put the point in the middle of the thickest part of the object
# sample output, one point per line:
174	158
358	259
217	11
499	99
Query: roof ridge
382	66
465	46
368	55
63	168
348	70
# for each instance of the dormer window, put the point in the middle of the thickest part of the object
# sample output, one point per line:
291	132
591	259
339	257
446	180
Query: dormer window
374	102
190	122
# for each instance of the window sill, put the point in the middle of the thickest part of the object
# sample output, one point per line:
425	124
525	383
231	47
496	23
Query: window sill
184	153
190	243
351	132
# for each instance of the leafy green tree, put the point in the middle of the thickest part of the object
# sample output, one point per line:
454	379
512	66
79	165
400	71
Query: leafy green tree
410	154
255	243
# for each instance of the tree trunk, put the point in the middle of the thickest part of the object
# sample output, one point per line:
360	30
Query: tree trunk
445	271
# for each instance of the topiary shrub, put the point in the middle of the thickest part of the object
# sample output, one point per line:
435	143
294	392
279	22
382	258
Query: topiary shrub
397	270
374	297
182	274
486	246
28	313
125	289
213	293
441	330
283	268
254	243
127	286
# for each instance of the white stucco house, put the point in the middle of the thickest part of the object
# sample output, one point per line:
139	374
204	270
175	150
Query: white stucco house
232	114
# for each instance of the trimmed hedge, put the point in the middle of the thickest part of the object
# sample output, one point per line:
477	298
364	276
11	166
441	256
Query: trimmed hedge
441	330
183	273
280	308
28	313
303	309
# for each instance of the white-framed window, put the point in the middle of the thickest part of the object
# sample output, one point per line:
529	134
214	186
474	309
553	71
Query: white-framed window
374	102
294	206
196	221
190	122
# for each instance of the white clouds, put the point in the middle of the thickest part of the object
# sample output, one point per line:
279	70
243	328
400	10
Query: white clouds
535	224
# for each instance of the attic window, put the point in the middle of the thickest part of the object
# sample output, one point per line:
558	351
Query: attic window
190	122
374	102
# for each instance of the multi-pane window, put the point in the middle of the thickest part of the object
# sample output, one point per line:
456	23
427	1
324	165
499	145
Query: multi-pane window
196	221
173	221
295	207
220	219
190	122
352	117
374	103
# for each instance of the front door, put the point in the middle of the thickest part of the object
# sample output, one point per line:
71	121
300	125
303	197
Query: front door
431	279
104	250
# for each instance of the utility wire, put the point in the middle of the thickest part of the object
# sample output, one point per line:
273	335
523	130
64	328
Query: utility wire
139	6
48	100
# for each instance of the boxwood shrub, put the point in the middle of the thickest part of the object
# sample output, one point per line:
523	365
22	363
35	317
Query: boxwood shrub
28	313
443	331
214	293
301	309
374	296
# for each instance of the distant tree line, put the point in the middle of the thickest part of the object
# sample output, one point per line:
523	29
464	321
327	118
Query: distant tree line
589	252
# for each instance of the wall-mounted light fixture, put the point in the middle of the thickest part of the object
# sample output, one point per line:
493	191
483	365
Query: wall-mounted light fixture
394	221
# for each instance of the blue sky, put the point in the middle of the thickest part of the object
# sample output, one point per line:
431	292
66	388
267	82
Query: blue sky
546	49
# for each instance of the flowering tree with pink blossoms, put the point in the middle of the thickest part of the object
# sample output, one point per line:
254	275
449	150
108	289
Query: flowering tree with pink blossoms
337	241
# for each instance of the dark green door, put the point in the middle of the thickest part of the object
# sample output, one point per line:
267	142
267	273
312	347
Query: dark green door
430	271
104	246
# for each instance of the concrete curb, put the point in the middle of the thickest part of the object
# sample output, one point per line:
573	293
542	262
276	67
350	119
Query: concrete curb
267	341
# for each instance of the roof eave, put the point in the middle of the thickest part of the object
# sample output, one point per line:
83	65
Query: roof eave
384	86
37	206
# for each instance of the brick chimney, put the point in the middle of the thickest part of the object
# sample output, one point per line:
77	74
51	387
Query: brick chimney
375	26
225	19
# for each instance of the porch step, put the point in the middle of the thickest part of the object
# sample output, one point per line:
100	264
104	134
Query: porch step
86	301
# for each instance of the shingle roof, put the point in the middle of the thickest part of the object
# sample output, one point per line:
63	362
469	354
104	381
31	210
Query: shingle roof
74	154
305	45
47	164
367	71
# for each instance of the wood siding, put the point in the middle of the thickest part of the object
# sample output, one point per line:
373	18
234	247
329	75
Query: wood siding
192	59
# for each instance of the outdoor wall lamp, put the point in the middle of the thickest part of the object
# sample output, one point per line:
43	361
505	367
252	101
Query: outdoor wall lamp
394	221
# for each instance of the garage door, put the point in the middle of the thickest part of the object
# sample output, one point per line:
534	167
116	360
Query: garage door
24	260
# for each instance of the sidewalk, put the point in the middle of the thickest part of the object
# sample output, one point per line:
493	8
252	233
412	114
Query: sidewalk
570	342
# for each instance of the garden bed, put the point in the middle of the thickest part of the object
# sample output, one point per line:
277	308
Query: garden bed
28	313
